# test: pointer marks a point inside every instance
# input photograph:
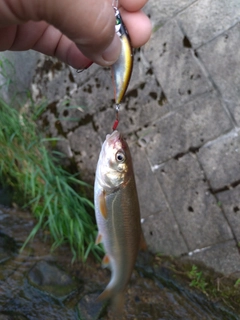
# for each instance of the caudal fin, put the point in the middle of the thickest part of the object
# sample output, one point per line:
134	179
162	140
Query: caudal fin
118	304
117	300
105	295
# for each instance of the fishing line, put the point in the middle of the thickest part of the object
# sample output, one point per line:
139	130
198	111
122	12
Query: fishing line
117	107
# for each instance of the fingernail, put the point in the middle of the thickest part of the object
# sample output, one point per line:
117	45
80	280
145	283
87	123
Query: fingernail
111	54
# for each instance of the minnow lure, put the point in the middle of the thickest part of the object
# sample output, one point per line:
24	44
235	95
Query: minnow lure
122	68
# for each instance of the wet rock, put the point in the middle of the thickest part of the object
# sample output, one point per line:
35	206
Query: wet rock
47	276
6	195
144	263
8	247
89	308
177	299
157	290
12	316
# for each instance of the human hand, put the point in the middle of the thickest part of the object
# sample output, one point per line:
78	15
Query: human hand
75	31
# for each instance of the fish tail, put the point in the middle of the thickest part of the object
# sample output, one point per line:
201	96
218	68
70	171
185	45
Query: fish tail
118	303
117	300
105	295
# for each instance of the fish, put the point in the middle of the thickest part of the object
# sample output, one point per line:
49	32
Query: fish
122	68
118	216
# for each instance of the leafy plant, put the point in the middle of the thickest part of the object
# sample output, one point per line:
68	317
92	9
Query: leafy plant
7	72
54	196
237	283
198	280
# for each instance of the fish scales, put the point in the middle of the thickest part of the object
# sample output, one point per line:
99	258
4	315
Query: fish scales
117	214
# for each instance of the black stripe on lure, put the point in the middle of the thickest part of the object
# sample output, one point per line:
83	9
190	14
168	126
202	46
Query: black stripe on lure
122	68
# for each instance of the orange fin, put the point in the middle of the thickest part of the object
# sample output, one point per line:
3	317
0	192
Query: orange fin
105	261
143	244
102	204
98	239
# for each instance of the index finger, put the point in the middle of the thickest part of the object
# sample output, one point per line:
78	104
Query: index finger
132	5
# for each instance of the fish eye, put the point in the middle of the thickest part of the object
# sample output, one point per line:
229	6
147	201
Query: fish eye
120	156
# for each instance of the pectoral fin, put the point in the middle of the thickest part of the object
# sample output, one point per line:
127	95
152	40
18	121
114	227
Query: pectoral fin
98	239
102	204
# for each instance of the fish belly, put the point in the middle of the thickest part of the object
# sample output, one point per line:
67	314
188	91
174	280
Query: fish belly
120	232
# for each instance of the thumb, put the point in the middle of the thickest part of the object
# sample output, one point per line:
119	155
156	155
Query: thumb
89	23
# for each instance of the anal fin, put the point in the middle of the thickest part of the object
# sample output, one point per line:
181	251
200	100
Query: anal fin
105	261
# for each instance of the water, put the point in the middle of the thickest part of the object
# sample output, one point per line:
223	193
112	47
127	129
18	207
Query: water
153	292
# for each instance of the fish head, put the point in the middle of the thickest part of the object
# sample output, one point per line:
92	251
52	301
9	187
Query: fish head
115	162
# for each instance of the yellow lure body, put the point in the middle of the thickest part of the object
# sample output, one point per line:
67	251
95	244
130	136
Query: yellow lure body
122	68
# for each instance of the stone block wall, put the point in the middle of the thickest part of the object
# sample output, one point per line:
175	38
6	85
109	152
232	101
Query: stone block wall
181	117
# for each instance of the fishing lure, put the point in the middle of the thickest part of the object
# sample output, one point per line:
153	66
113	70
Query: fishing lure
122	68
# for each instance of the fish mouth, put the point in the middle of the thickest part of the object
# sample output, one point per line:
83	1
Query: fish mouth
113	137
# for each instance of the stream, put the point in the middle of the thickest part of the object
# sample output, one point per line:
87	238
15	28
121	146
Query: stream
36	283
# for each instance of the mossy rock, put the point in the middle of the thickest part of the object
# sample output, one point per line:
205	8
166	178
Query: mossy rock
50	278
8	247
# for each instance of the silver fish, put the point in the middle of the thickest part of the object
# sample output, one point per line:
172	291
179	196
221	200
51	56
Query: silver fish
118	215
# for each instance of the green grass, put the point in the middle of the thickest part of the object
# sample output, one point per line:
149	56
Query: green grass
197	279
7	72
52	194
